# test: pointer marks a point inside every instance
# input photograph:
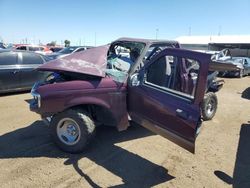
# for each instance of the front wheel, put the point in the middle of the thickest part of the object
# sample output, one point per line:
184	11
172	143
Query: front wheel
209	106
72	130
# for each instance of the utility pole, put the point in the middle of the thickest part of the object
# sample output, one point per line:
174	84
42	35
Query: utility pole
219	30
95	38
156	33
189	31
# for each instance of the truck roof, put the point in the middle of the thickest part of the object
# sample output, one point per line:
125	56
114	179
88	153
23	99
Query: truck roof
147	41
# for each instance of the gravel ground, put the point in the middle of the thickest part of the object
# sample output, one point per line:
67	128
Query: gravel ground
133	158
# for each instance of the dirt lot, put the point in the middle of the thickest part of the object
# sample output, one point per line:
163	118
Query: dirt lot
134	158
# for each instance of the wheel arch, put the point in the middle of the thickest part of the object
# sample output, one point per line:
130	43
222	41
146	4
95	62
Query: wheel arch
100	113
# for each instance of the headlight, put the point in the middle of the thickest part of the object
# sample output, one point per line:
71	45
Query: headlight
36	96
239	66
37	99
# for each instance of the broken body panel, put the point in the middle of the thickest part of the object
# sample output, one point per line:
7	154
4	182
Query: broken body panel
92	61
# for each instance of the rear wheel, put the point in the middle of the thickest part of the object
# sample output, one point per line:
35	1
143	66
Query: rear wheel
209	106
72	130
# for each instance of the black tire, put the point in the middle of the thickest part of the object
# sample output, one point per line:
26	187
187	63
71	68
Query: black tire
209	106
72	130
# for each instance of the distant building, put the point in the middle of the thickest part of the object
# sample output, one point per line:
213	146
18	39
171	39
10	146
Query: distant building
241	43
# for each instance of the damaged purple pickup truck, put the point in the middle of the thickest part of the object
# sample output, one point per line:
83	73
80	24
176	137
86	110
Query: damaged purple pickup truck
154	83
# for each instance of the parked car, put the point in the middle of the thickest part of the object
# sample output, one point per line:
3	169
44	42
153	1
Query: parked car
2	46
17	70
161	88
243	63
38	49
67	50
55	48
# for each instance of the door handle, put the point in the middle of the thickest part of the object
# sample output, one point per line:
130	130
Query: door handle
182	114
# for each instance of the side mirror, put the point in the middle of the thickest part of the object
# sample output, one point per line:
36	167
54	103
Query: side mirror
134	80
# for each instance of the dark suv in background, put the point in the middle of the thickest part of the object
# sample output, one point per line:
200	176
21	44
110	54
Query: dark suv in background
17	70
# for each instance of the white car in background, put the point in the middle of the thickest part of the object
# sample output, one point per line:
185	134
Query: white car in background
67	50
38	49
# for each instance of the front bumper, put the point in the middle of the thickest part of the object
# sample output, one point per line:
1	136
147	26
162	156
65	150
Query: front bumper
35	103
232	73
33	106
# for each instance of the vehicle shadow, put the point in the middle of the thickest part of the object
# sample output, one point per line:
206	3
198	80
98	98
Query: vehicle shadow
135	171
14	93
241	174
246	93
228	76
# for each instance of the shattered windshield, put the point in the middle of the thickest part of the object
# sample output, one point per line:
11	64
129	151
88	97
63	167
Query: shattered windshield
121	57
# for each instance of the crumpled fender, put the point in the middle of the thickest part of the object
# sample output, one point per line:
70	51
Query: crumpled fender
121	115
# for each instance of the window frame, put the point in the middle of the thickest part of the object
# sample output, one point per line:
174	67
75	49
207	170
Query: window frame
187	97
31	53
13	54
26	48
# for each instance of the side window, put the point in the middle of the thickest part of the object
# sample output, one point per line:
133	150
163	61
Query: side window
152	51
80	49
21	48
31	48
155	49
32	58
8	58
246	62
174	74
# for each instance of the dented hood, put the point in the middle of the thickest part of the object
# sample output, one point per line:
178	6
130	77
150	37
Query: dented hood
92	62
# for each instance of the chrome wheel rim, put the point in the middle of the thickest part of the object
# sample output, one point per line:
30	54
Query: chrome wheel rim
68	131
210	107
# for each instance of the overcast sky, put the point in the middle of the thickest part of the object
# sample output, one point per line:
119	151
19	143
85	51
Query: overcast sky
102	21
